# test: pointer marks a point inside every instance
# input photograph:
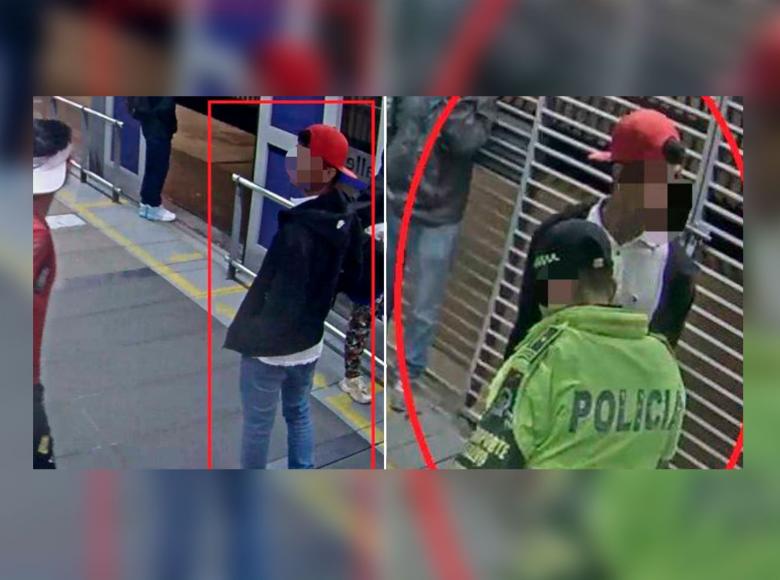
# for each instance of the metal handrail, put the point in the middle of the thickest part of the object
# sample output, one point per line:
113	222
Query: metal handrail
233	257
83	168
90	111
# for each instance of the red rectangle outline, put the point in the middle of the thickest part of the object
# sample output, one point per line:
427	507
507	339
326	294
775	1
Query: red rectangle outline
209	251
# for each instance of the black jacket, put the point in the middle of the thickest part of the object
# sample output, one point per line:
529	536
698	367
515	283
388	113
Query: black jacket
157	115
677	294
314	253
443	192
359	289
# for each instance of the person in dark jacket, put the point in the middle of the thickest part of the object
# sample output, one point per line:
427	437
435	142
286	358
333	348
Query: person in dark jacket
438	210
647	208
280	325
157	116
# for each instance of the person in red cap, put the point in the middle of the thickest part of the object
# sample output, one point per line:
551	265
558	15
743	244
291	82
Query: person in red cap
280	325
647	207
51	151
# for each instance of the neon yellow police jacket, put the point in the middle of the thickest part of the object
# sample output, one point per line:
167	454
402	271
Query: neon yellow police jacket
588	388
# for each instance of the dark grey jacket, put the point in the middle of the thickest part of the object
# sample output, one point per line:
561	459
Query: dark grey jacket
157	116
443	193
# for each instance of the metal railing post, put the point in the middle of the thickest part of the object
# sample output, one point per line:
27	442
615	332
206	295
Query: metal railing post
85	140
83	167
235	232
116	153
696	229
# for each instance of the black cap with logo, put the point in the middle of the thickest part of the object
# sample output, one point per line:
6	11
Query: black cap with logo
570	246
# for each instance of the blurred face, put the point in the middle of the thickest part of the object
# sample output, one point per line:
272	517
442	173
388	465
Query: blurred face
308	173
653	194
561	293
587	288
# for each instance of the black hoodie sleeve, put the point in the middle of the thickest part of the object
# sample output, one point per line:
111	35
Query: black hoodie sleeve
678	295
528	312
354	278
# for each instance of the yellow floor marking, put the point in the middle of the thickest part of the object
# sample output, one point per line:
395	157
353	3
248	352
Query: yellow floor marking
346	407
181	258
225	310
343	403
226	291
162	269
320	382
380	434
95	204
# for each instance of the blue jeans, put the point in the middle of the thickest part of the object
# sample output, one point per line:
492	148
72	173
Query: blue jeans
158	161
429	255
260	387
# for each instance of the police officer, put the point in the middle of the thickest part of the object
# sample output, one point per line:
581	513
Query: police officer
51	150
590	386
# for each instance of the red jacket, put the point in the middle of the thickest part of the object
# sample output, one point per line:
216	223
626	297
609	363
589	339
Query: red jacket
44	269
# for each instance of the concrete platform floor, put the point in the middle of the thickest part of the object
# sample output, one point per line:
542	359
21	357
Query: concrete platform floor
124	360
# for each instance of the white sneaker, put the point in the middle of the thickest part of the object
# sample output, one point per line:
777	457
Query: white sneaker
397	402
357	388
156	214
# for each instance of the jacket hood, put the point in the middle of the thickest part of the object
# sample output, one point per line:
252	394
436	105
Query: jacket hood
327	215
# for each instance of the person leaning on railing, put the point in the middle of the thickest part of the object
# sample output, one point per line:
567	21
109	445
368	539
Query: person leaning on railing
279	326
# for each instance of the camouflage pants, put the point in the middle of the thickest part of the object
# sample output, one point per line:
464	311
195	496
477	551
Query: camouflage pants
358	335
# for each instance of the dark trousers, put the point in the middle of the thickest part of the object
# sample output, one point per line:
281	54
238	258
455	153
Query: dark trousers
43	443
158	161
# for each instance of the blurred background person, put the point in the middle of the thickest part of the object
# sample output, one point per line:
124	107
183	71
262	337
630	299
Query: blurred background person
51	151
438	209
157	116
647	207
590	387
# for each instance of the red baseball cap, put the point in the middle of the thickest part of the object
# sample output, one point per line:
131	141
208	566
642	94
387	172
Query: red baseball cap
639	136
331	145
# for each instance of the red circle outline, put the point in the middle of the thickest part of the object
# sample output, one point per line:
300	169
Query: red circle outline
401	251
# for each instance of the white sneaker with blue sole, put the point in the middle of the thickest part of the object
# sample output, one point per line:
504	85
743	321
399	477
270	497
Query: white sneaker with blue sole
156	214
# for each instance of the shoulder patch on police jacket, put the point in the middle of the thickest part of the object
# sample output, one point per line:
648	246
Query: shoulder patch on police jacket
492	444
528	353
